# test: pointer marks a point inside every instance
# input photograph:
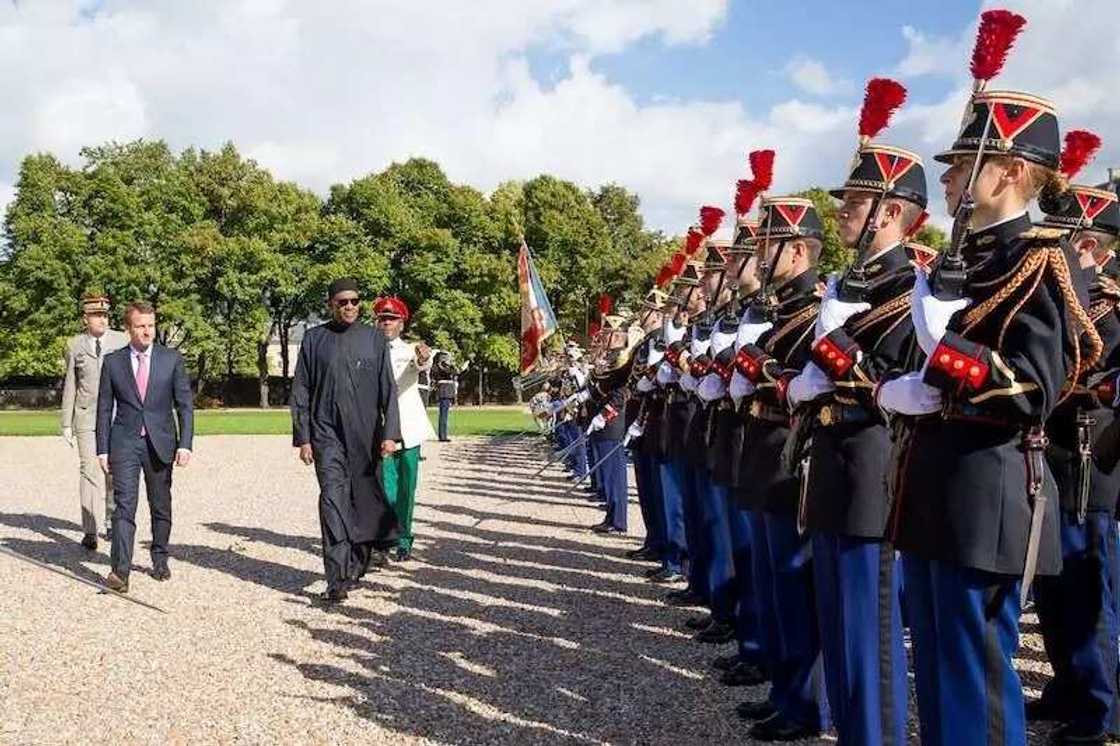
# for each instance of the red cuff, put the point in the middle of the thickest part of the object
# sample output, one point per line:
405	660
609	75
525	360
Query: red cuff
749	361
609	413
957	364
835	354
1106	390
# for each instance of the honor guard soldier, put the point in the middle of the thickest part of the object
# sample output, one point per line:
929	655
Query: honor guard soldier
790	242
607	428
843	443
83	357
1005	333
643	415
1076	610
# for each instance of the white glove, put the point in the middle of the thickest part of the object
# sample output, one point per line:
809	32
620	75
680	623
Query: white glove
931	316
749	333
598	422
688	383
908	394
667	374
808	385
834	312
711	388
645	385
68	436
582	395
740	387
721	341
635	430
558	406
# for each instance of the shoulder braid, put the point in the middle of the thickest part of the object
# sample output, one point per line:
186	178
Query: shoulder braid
1047	258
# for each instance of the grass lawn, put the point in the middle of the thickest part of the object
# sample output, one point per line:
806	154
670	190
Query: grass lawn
464	421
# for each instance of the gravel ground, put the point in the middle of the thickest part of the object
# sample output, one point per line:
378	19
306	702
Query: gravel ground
514	624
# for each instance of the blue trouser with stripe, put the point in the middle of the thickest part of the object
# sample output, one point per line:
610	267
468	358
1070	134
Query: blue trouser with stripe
648	479
671	513
715	535
1077	614
762	576
964	624
747	627
612	480
857	585
796	679
697	548
577	458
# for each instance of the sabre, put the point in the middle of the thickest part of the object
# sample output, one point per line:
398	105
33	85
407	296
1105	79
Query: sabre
622	444
71	576
558	456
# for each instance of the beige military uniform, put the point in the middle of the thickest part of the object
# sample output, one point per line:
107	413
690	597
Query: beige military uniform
79	413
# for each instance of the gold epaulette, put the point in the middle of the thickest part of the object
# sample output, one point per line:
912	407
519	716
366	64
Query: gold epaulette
1039	233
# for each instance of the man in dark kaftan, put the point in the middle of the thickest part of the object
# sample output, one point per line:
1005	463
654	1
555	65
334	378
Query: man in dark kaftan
344	420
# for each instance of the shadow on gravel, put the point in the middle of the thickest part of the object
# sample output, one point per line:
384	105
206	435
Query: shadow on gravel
58	550
504	637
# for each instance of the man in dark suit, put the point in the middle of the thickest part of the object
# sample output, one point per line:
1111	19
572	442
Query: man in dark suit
142	382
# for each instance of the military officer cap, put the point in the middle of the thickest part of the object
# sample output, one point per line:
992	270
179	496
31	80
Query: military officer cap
654	300
788	218
746	234
690	277
715	257
95	303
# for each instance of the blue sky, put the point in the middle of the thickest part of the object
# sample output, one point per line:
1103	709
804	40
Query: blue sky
665	97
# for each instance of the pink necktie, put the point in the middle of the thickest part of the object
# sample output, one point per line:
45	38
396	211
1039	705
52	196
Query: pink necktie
142	374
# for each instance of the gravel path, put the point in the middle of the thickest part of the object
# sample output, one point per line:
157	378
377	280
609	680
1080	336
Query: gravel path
513	625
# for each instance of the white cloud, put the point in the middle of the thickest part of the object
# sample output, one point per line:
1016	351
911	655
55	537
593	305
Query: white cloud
324	92
813	77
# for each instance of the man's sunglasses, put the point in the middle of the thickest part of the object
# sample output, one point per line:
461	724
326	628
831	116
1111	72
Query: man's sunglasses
343	302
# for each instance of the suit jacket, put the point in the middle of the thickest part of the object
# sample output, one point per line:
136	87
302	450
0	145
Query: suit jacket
168	386
415	425
83	378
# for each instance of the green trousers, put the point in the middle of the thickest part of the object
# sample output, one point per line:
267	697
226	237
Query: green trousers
399	474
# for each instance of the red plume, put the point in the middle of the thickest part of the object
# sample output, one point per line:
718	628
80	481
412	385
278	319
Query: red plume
664	277
1081	146
882	97
606	305
693	241
710	218
997	32
745	195
676	264
762	169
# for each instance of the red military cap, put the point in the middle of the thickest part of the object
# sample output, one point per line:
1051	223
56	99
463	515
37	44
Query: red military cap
391	306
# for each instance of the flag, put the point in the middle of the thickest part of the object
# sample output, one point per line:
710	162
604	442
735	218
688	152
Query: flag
538	322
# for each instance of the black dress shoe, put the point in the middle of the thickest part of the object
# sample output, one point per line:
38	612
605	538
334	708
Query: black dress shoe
697	623
161	572
684	598
1042	710
643	554
756	710
403	555
726	662
606	528
89	541
779	728
377	560
716	633
663	575
744	674
116	583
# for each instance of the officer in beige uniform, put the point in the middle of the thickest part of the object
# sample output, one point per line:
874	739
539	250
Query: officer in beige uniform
83	356
400	471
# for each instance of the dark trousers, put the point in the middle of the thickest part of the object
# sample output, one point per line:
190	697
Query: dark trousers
964	625
612	480
747	631
857	586
762	575
577	457
697	550
671	513
444	411
127	462
1076	611
648	479
715	534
